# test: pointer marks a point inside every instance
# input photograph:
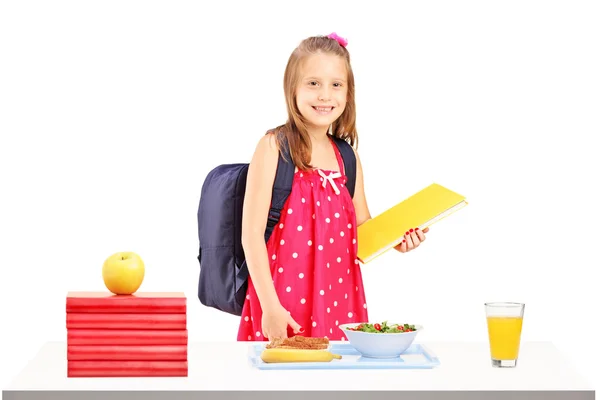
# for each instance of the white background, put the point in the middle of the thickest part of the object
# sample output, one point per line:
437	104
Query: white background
113	112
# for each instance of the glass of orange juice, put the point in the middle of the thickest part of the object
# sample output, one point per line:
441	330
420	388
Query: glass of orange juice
504	323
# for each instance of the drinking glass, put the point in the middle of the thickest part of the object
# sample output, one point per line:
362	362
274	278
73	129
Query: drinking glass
504	323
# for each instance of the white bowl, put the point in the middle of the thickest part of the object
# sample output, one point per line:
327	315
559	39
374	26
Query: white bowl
379	345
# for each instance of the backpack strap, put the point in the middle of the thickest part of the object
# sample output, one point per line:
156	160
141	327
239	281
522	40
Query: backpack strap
282	186
349	162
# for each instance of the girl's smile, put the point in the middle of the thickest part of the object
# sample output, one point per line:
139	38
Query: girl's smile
323	110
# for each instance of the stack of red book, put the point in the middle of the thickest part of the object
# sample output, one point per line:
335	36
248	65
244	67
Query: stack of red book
139	335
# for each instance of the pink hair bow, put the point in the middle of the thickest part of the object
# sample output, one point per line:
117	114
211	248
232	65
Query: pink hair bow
343	42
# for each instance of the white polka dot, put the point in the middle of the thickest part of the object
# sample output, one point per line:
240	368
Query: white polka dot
331	240
341	280
349	226
327	220
346	296
349	315
328	309
246	319
249	337
353	241
288	289
356	261
329	287
337	323
314	324
280	226
365	305
348	271
299	228
282	241
274	256
289	210
322	292
357	288
337	215
321	179
339	259
303	200
302	301
348	251
342	233
320	247
310	242
327	265
257	334
335	303
329	198
313	216
318	203
295	255
280	269
300	275
248	297
330	330
343	339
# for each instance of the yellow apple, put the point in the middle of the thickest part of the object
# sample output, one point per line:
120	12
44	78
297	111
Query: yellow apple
123	272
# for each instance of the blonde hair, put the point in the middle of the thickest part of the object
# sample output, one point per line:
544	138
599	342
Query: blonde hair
294	130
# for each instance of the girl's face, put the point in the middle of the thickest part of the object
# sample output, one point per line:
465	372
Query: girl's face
322	90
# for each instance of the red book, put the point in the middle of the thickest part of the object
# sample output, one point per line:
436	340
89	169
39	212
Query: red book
127	353
103	369
126	337
126	321
137	303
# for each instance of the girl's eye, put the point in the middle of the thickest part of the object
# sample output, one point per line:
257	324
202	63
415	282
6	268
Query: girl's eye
312	83
337	84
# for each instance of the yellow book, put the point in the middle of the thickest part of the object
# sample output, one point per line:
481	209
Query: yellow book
423	209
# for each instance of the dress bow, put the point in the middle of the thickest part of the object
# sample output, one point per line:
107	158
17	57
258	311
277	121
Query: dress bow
330	178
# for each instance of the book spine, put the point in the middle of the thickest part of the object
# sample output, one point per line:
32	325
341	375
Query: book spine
136	306
126	321
103	369
126	337
127	353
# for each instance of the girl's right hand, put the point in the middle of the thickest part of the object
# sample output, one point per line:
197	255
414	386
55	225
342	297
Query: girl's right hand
275	323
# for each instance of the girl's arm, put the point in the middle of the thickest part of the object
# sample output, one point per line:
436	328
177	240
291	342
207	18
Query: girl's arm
360	200
257	202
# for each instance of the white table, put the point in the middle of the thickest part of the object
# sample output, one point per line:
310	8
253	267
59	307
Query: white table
465	372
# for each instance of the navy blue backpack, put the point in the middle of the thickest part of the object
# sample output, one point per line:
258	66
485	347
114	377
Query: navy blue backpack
223	279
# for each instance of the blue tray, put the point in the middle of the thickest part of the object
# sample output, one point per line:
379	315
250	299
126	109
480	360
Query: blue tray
416	356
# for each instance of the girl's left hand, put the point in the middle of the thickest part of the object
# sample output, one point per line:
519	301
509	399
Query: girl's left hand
412	240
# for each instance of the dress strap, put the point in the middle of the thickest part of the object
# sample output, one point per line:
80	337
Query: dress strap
331	175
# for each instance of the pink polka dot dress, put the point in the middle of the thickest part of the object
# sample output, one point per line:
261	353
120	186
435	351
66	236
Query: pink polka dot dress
312	254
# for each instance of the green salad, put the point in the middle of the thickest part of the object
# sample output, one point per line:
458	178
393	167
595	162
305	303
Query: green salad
383	327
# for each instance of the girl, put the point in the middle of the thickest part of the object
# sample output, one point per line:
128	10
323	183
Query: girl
306	279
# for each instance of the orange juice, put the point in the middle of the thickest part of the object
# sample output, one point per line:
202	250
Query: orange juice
505	337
